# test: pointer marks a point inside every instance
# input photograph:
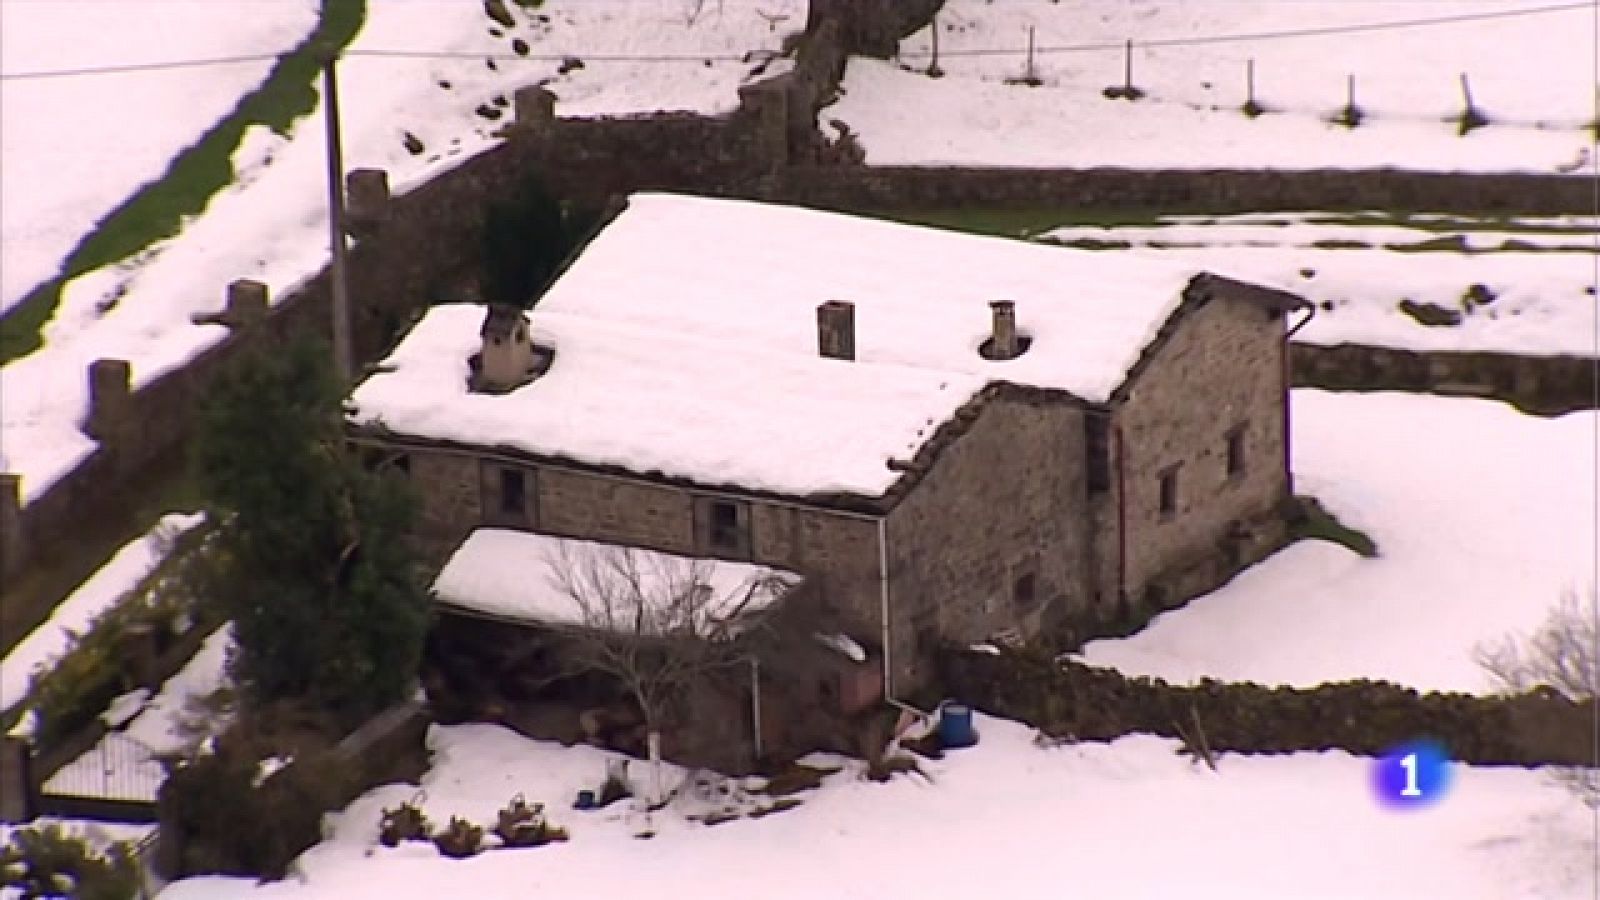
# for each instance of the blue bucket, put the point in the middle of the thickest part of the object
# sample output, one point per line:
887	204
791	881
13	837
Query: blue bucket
955	726
585	800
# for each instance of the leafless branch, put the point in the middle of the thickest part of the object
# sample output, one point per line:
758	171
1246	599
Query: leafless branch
1562	655
654	622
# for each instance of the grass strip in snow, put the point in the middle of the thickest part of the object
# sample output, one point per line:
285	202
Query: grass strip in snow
157	211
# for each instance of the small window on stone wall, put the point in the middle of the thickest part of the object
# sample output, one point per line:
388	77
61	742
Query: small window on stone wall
1169	492
1097	450
723	526
513	493
1236	450
1024	591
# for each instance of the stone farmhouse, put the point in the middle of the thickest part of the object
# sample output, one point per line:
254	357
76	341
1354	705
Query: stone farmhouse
949	437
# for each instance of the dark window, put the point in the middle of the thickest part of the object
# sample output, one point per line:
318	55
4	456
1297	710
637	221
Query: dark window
1236	452
1169	491
724	531
513	493
1097	447
1023	592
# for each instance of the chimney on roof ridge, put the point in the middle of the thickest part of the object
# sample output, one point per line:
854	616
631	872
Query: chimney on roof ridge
1003	342
836	330
508	358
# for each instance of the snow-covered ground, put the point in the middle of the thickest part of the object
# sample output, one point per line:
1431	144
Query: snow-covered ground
74	147
124	764
1482	516
272	226
1531	75
100	592
1543	273
1003	819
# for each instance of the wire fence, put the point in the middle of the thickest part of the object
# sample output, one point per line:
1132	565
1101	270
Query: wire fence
701	58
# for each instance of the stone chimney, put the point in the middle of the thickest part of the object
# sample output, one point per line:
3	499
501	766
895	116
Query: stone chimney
1003	342
507	360
836	330
534	107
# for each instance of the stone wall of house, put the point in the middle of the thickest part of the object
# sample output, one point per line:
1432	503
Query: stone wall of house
1222	368
1171	190
451	500
1003	505
590	507
459	491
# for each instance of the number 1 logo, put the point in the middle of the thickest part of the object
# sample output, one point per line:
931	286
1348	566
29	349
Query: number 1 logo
1412	775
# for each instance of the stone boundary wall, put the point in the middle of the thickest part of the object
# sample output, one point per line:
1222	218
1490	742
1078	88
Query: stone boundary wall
1219	191
1366	718
1542	385
389	747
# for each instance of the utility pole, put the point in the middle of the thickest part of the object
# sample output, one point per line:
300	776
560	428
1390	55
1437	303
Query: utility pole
342	356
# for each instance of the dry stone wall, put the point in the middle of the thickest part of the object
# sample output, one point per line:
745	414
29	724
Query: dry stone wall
1367	718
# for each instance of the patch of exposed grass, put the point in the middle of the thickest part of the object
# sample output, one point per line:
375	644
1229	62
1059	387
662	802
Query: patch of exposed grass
1313	522
1026	223
157	210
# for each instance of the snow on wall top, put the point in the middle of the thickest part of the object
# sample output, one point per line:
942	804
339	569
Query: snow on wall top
686	344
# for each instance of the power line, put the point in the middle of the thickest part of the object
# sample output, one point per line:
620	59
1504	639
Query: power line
757	56
1274	35
141	67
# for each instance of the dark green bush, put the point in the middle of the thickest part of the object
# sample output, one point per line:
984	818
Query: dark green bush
219	816
47	862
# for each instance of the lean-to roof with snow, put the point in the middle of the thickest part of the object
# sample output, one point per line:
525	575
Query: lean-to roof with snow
536	578
685	343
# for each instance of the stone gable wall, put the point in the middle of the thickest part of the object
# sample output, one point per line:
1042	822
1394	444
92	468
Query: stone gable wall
1005	500
1222	368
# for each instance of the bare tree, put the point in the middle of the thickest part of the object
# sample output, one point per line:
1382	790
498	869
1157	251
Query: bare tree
1562	655
656	623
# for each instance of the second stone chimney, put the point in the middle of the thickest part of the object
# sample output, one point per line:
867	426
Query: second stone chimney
1003	341
836	330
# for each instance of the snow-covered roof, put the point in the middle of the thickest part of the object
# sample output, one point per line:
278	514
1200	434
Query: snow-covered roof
686	344
533	578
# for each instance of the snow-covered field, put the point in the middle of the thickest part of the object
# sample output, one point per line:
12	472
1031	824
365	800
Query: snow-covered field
100	592
1004	819
272	224
75	147
1543	273
1482	516
1530	75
